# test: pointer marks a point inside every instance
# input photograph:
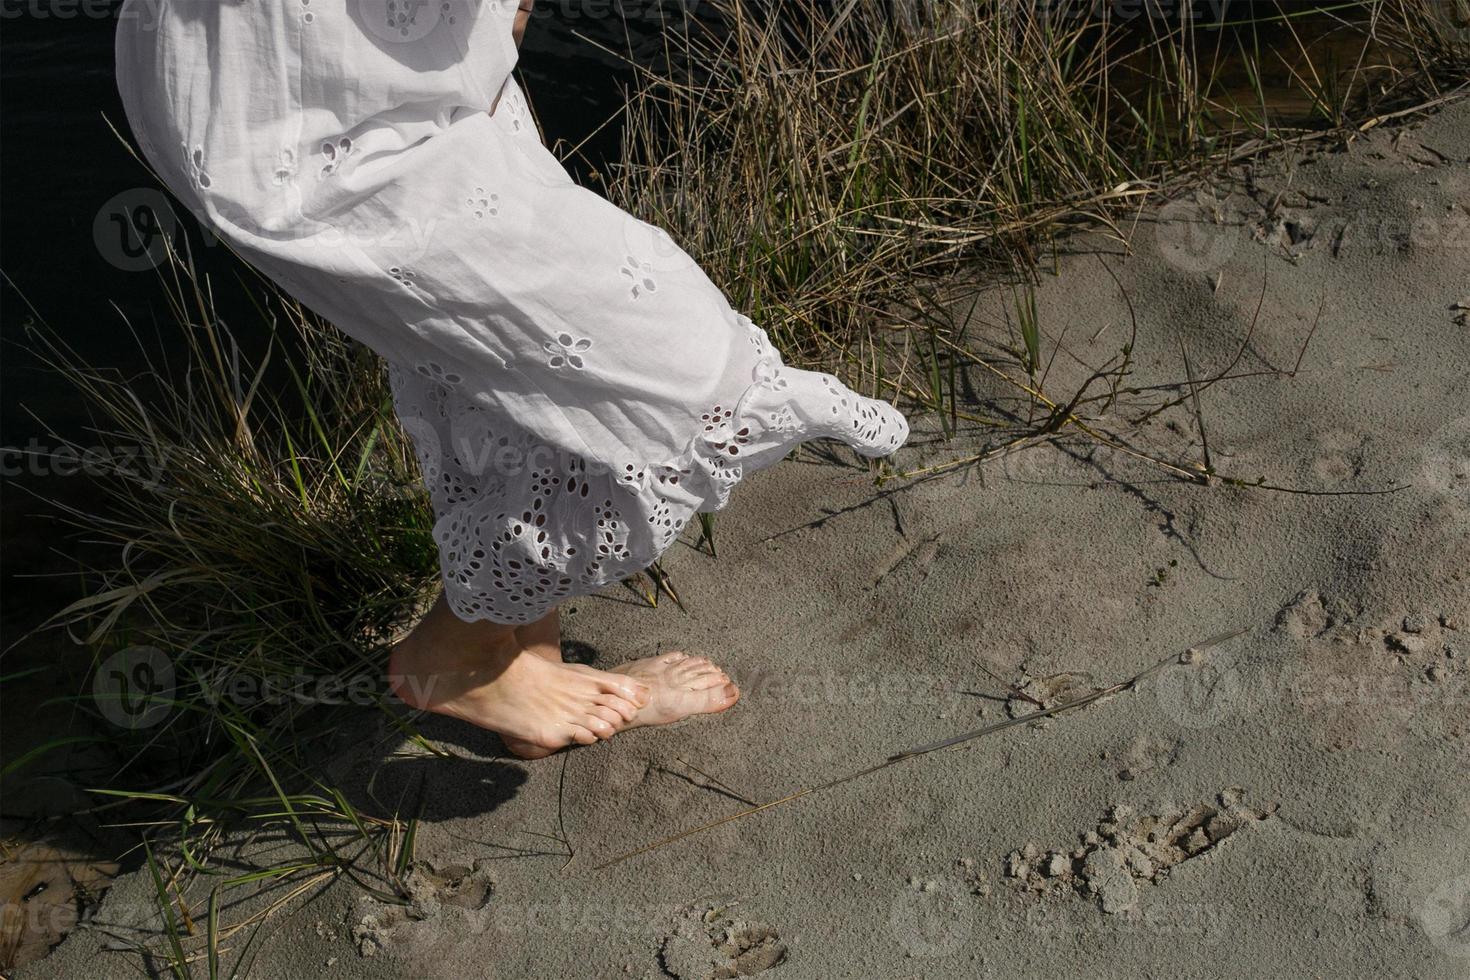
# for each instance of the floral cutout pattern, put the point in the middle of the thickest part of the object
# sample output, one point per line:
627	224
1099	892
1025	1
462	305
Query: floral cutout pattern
482	203
286	168
640	276
335	154
720	433
194	159
517	535
403	17
633	477
566	351
432	370
782	420
514	109
767	374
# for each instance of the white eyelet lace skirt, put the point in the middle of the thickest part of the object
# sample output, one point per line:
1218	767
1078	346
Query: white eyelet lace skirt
575	386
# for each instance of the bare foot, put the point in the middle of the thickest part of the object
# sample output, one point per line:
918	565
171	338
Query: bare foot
479	673
682	685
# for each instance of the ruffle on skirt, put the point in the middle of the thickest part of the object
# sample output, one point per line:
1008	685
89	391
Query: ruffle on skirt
522	525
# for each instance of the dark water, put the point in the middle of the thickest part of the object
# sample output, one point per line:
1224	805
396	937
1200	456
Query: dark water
63	244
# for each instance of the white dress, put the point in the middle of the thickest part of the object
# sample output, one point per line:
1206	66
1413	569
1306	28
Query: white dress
575	386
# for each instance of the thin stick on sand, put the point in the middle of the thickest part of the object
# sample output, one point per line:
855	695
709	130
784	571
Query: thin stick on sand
945	743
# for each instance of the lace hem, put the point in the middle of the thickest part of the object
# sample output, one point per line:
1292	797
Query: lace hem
522	526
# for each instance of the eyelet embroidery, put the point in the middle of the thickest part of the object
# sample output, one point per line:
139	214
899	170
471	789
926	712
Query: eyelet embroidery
669	476
515	111
720	434
521	526
767	374
403	16
640	275
335	154
835	390
482	203
631	477
195	161
286	169
782	420
431	370
307	17
567	351
402	276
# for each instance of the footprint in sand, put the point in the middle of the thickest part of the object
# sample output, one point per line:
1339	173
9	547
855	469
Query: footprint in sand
445	905
1446	467
1128	851
709	943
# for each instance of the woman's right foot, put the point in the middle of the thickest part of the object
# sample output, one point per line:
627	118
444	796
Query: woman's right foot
479	673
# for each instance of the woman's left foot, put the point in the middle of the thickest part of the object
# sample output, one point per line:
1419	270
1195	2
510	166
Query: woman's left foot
682	685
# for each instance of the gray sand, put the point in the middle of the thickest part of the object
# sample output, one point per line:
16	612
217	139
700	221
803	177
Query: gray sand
1294	802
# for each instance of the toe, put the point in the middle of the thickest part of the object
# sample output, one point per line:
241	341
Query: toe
687	673
622	707
584	736
609	717
628	688
706	680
